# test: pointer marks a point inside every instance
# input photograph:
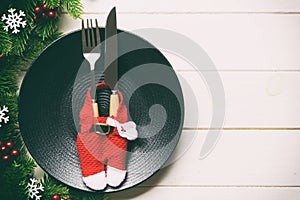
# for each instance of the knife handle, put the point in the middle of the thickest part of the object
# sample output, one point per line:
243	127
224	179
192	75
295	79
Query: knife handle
95	108
114	103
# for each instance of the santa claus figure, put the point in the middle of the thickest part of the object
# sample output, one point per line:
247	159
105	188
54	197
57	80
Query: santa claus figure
102	142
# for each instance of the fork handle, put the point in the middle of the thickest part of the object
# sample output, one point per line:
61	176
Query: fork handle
93	94
93	85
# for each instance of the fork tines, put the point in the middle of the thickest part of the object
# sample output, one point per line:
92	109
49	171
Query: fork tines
90	35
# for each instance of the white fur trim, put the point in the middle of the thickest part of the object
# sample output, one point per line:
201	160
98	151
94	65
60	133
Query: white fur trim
96	181
126	130
115	176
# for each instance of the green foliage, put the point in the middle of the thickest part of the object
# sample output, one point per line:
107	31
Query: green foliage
80	195
15	44
45	30
74	7
19	42
14	179
52	3
19	51
51	187
6	43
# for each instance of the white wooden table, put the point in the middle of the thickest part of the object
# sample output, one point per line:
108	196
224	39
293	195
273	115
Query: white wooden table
255	45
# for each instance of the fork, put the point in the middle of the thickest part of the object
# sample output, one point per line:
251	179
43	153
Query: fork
91	51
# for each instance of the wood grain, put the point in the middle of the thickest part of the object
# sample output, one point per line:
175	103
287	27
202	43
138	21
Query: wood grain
234	42
253	99
241	158
177	6
211	193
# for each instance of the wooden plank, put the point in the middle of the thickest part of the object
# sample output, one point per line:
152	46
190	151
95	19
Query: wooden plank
178	6
252	99
233	42
241	158
207	193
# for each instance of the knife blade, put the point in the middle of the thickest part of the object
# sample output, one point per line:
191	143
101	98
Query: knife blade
111	50
111	60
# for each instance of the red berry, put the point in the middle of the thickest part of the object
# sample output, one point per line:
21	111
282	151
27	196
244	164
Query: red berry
0	140
14	152
68	199
9	144
6	157
45	6
56	197
51	14
35	18
3	148
37	9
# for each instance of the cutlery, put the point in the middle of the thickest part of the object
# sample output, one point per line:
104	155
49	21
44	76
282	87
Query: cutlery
91	51
111	60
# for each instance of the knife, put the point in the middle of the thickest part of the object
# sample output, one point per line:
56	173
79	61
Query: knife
111	50
111	60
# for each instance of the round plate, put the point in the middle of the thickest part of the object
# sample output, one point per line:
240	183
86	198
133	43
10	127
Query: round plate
53	92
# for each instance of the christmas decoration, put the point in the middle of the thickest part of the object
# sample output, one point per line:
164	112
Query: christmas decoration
52	14
24	21
9	144
56	197
17	51
7	152
14	20
43	12
3	149
6	157
14	152
37	9
3	117
94	150
34	189
44	6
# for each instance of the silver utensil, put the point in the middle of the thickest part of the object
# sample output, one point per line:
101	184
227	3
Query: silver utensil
91	49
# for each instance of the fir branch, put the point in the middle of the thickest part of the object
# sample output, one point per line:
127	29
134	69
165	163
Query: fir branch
8	83
19	42
74	7
52	3
51	187
16	176
6	43
46	29
8	131
82	195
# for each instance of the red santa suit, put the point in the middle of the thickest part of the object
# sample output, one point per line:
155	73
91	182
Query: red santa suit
103	157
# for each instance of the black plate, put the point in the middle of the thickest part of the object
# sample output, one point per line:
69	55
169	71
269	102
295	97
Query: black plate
53	92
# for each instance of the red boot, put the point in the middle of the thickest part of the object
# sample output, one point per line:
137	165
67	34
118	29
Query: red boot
99	152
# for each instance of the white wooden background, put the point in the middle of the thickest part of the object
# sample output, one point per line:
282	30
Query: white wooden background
255	45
